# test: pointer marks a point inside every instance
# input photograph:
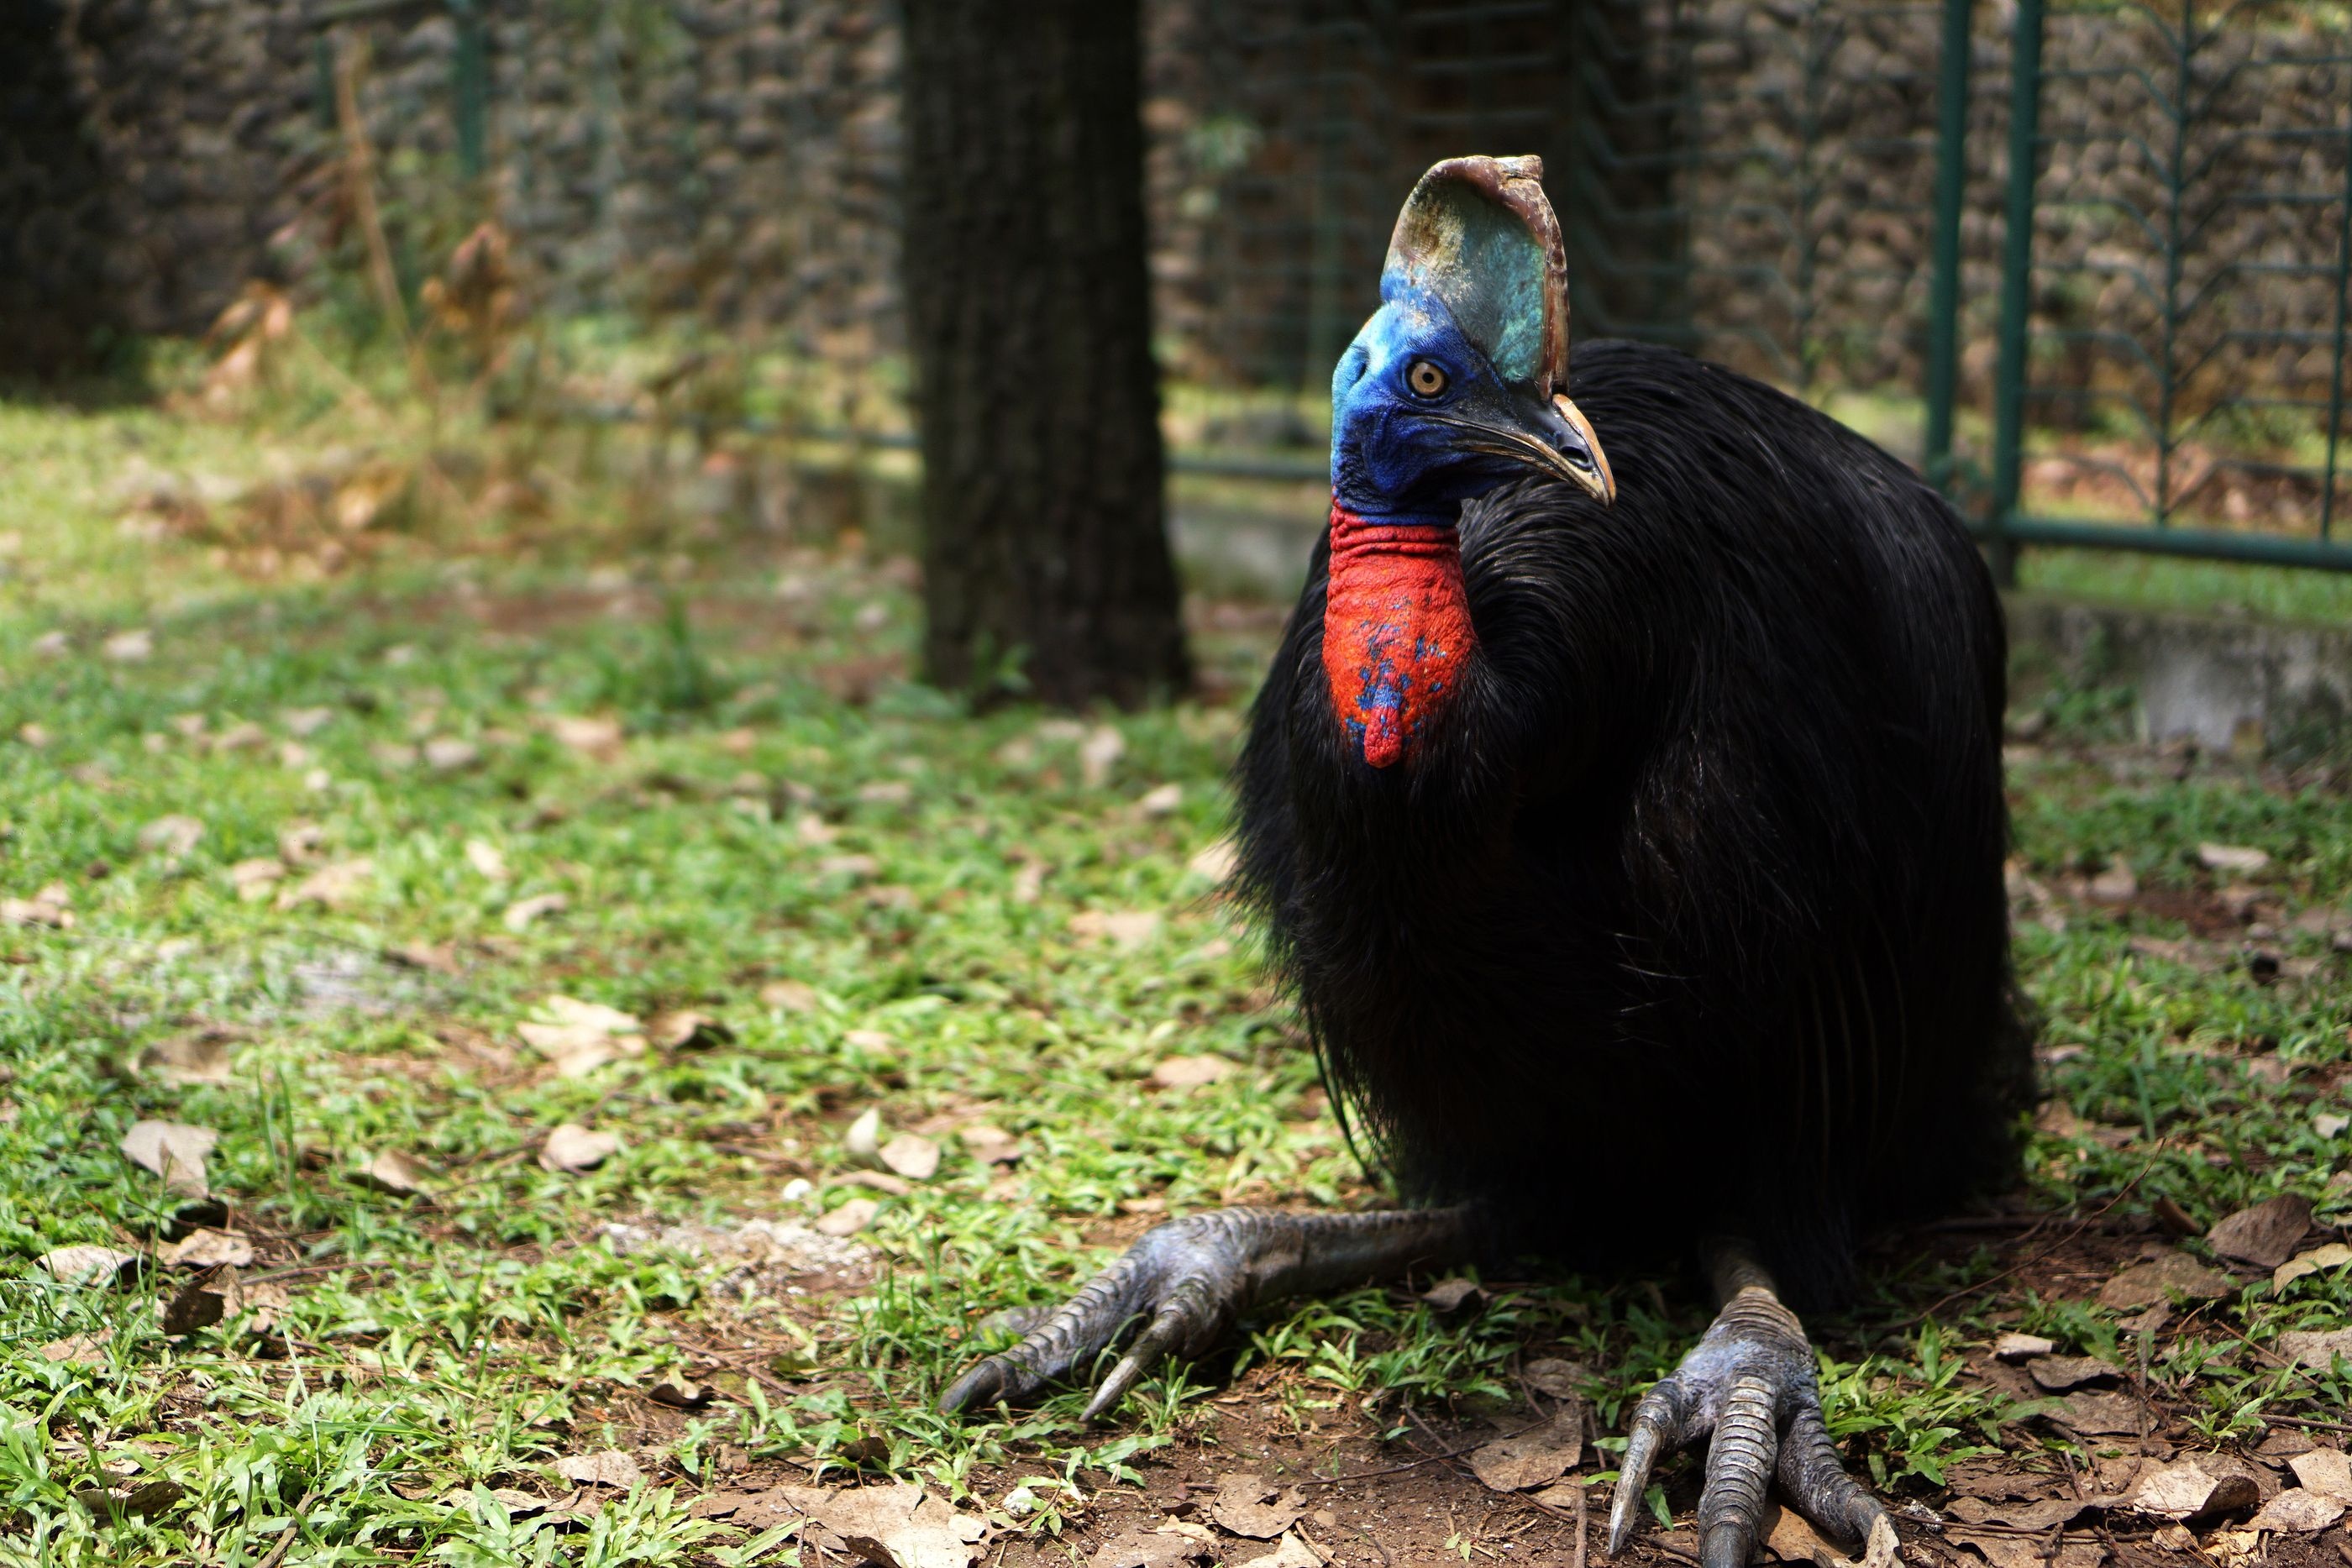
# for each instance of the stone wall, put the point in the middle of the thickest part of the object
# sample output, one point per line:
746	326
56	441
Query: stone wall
1751	177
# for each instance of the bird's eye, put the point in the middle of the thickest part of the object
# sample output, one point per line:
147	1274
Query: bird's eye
1424	378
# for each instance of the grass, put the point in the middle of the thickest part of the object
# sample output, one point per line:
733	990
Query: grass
782	805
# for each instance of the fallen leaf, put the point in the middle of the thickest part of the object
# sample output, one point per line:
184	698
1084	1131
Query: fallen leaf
872	1040
144	1500
1290	1552
447	754
1098	754
88	1265
302	723
688	1030
2297	1511
79	1349
394	1173
880	1182
1167	1546
1251	1505
1451	1295
198	1056
599	738
2316	1348
572	1148
2330	1255
2035	1514
331	887
912	1156
2117	884
129	647
203	1301
520	916
2060	1373
1790	1538
486	858
1159	802
2329	1124
2021	1346
611	1468
52	907
1190	1072
1533	1458
175	835
1560	1379
1215	861
897	1525
580	1037
2100	1414
855	868
1127	929
863	1139
2234	858
2324	1472
204	1247
2185	1490
174	1151
2157	1282
680	1394
789	995
252	879
990	1145
850	1218
2264	1235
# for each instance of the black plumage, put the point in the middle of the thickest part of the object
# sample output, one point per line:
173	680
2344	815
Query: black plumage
1687	914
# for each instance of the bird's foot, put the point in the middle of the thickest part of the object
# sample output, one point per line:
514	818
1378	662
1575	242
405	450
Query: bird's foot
1188	1282
1748	1387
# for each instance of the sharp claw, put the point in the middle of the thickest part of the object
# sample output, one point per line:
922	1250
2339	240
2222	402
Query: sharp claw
982	1384
1740	1461
1726	1546
1148	1347
1657	1421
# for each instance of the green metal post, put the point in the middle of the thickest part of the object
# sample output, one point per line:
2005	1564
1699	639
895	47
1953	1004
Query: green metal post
2016	285
470	76
1944	283
2343	345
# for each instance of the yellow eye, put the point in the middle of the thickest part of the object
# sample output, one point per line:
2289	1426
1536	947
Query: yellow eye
1425	378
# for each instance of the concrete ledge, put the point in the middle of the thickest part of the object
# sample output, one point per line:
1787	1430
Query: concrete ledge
2256	688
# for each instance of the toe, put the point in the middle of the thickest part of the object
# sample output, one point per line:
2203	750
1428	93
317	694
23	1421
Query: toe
1657	1429
1739	1463
984	1383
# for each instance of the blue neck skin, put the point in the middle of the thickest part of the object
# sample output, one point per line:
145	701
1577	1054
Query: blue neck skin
1389	463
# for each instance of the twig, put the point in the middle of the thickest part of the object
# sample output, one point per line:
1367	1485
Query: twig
276	1553
1577	1562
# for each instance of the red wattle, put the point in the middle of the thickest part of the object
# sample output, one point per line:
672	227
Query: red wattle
1396	629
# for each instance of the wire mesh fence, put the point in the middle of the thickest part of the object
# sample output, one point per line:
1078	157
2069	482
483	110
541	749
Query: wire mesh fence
2086	260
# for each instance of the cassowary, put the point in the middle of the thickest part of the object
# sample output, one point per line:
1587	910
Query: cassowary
1630	831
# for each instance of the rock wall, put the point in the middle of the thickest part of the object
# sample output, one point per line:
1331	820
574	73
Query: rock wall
1751	177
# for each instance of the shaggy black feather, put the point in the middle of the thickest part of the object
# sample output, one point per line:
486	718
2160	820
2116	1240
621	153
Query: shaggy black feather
1688	917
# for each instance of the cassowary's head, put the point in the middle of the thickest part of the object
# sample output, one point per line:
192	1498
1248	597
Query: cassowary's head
1455	387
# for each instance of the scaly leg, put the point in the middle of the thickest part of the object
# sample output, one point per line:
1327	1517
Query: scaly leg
1750	1383
1189	1282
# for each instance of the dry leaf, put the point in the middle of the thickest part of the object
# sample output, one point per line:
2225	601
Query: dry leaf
174	1151
2329	1255
142	1502
2185	1490
208	1249
1559	1379
1533	1458
2233	858
175	835
1098	754
203	1301
88	1265
789	995
1159	802
1290	1552
2156	1283
394	1173
680	1394
870	1040
520	916
850	1218
574	1149
580	1036
990	1145
863	1139
2324	1472
1451	1295
447	754
2021	1346
2060	1373
1215	861
1251	1505
2316	1348
612	1468
2264	1235
1190	1072
896	1526
129	647
2297	1511
2096	1413
80	1349
254	878
688	1030
332	886
199	1056
599	738
912	1156
1127	929
486	858
1169	1546
52	907
880	1182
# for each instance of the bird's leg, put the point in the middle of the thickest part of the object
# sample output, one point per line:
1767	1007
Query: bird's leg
1748	1387
1190	1280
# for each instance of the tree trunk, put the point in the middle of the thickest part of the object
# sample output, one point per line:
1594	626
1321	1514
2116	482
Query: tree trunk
1046	562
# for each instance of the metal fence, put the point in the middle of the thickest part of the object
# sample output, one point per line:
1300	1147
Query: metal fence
2085	261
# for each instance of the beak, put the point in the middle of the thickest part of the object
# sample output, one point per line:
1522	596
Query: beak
1554	438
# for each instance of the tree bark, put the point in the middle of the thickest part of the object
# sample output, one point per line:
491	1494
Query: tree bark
1044	546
